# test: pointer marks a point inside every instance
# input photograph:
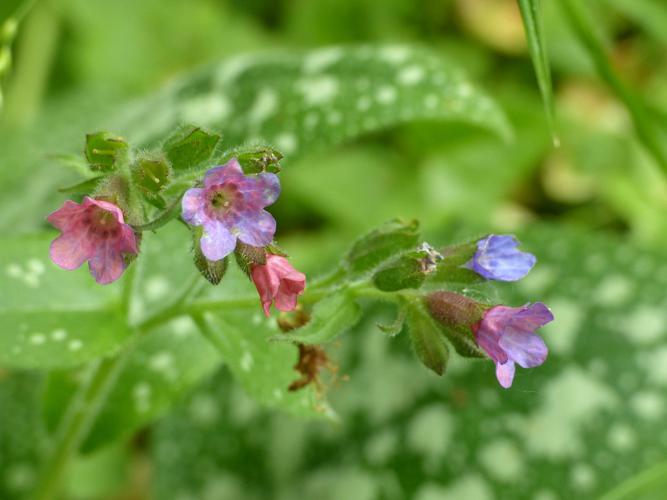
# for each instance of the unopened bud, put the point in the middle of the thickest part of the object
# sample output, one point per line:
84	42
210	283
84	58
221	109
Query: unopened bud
151	175
105	152
456	314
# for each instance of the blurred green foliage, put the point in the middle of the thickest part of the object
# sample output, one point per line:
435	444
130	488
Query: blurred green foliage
84	65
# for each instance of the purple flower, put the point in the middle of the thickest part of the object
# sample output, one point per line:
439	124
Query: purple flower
93	231
507	334
497	258
230	206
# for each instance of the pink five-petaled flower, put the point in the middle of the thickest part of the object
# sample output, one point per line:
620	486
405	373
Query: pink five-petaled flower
277	281
507	334
230	206
93	231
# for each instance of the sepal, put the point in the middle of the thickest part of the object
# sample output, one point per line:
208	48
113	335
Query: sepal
213	271
105	152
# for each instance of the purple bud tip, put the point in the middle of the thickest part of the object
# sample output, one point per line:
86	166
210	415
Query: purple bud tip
230	206
507	335
498	258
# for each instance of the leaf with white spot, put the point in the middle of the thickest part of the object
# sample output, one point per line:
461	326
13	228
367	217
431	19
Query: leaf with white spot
299	102
51	317
591	417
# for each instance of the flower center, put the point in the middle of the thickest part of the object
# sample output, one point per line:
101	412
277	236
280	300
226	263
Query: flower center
222	199
101	223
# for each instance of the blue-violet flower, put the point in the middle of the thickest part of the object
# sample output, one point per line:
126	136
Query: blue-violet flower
497	258
229	207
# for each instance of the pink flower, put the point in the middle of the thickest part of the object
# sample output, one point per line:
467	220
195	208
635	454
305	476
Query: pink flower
93	231
507	334
278	281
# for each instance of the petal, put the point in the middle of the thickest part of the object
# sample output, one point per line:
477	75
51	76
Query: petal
487	337
71	250
217	242
107	265
526	348
497	258
256	229
219	175
505	374
262	280
533	316
127	241
104	205
260	191
67	216
285	300
192	206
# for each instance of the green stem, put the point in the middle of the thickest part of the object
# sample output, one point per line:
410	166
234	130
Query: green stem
644	126
76	423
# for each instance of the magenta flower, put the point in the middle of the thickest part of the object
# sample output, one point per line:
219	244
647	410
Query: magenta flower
230	206
277	281
507	334
93	231
498	258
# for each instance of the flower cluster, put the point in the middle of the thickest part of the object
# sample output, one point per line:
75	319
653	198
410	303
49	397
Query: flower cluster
226	214
228	208
504	334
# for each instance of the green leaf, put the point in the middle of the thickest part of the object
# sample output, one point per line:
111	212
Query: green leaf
264	369
382	243
53	317
84	187
302	101
330	317
427	339
530	13
190	146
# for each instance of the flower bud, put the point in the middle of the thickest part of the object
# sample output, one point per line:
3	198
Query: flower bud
151	174
456	314
212	270
105	152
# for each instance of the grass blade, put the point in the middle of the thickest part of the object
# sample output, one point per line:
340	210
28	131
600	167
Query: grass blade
530	13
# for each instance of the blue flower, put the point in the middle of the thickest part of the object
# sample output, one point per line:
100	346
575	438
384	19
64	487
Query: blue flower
497	258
